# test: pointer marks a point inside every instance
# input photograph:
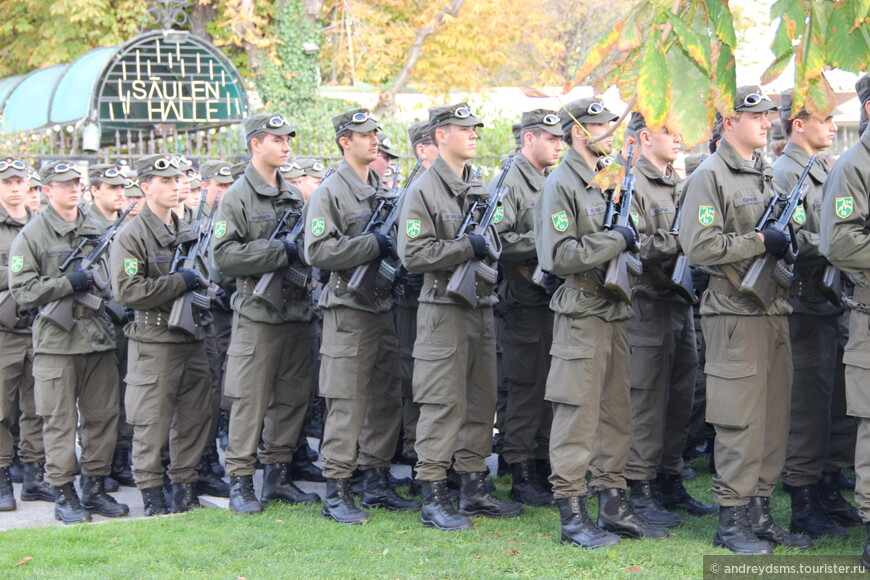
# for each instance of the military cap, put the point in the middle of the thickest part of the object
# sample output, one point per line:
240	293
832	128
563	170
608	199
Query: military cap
60	171
35	179
517	130
692	162
239	168
636	122
131	188
419	132
273	124
589	110
312	167
542	119
356	120
159	165
750	99
184	164
195	179
458	114
218	170
385	146
11	167
862	87
291	171
107	173
786	104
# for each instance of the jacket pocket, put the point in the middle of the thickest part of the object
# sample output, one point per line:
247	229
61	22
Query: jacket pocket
339	371
437	372
731	397
47	391
141	399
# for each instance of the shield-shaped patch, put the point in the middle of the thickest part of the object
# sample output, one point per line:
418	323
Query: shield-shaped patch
706	213
635	218
498	215
560	221
800	215
318	226
413	228
131	266
16	263
844	207
220	229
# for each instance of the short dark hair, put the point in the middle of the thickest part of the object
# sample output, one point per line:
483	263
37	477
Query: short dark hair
345	133
535	131
259	136
787	126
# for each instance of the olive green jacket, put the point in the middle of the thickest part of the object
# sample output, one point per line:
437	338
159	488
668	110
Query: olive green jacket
9	228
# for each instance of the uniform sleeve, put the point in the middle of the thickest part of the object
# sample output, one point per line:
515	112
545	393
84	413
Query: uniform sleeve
656	244
845	239
327	245
709	245
516	247
806	236
426	252
29	286
231	251
131	285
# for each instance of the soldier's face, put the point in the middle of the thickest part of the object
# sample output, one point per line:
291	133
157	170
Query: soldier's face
458	141
183	188
380	164
273	150
140	201
361	148
598	148
13	191
33	198
545	149
107	197
818	134
750	129
64	195
662	145
427	152
307	185
213	188
162	192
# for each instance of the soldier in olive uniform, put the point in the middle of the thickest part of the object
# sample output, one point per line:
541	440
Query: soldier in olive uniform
588	379
16	354
814	327
528	322
313	172
75	373
131	194
358	364
845	241
748	349
661	335
167	402
268	360
454	354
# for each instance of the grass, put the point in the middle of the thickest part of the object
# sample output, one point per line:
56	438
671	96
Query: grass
297	542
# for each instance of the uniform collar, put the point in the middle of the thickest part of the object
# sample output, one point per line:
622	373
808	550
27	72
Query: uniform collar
183	231
5	218
736	162
83	226
260	186
534	177
579	166
818	171
645	167
361	190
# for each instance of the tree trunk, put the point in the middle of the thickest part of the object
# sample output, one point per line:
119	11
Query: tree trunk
387	99
200	16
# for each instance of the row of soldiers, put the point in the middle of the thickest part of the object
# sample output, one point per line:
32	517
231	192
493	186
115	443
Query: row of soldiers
596	382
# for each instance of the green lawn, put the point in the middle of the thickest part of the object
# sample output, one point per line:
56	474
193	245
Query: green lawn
297	542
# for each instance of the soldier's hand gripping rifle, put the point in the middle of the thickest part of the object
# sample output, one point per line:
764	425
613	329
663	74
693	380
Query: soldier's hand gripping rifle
60	311
681	277
462	285
270	287
624	268
182	316
766	272
369	277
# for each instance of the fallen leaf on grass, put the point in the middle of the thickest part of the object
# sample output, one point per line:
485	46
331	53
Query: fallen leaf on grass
516	543
24	560
634	569
279	521
511	551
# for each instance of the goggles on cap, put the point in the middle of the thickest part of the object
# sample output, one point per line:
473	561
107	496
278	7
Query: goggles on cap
224	171
548	120
595	109
110	172
275	122
130	184
165	163
316	166
14	164
750	100
290	167
357	119
461	113
62	167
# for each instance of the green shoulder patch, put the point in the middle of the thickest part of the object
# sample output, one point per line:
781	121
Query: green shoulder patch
706	214
16	263
413	228
844	206
635	218
800	215
499	215
220	229
318	226
560	221
131	266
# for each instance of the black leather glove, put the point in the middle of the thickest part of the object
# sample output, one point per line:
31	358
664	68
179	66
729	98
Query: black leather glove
775	242
191	278
385	245
414	281
552	283
81	280
628	235
292	252
324	276
478	244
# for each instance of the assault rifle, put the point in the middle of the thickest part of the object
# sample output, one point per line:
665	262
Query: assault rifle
61	311
369	277
463	282
767	271
681	277
270	287
182	315
624	268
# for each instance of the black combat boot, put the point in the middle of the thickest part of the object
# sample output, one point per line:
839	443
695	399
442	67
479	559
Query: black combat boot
766	529
278	486
735	532
526	487
213	459
838	508
67	507
223	429
121	471
95	498
16	470
675	497
243	500
339	505
209	482
153	501
7	497
184	497
302	468
646	503
110	484
378	492
544	471
34	487
617	516
475	499
438	511
578	528
808	517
